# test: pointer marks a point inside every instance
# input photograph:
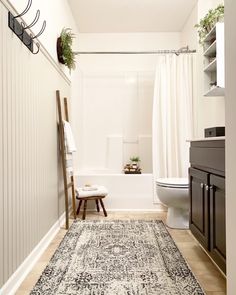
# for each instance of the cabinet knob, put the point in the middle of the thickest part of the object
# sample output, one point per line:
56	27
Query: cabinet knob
207	188
202	185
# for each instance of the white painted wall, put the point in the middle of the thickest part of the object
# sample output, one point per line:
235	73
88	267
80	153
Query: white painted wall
230	38
114	110
188	35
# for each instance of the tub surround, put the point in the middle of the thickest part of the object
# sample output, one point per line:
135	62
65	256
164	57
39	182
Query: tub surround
132	192
207	197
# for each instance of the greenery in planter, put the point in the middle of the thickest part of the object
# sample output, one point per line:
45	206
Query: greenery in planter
135	159
209	21
65	52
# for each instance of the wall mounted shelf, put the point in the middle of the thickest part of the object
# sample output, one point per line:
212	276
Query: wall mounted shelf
215	91
211	67
214	64
211	50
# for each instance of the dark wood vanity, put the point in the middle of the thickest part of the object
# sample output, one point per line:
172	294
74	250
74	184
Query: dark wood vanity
207	197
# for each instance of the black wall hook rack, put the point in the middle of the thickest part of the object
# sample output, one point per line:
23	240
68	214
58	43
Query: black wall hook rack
20	28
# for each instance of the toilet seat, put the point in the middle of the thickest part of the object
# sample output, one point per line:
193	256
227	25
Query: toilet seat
173	182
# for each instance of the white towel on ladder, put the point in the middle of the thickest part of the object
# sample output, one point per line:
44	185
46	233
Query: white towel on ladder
69	147
69	138
69	164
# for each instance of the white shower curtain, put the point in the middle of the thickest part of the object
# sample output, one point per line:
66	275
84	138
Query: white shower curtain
172	115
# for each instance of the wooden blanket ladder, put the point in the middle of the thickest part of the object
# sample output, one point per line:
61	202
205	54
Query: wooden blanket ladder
67	185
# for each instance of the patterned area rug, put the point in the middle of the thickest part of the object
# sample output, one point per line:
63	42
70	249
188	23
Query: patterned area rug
117	258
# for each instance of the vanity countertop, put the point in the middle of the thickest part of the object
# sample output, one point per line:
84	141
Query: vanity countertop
207	139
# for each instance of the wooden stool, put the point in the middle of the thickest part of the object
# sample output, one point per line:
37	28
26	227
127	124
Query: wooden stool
93	195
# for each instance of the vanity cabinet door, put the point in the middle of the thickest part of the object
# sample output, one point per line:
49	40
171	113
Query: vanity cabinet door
217	221
199	205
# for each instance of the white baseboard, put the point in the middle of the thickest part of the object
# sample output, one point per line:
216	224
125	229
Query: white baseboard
136	210
160	209
13	283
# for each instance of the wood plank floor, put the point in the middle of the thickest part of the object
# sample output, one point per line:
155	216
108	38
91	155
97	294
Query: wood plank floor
211	280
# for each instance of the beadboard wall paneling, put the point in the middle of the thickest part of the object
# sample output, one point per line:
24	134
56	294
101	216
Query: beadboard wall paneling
30	202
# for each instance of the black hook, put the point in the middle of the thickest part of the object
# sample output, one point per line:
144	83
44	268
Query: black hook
31	25
33	22
20	28
41	31
38	45
26	9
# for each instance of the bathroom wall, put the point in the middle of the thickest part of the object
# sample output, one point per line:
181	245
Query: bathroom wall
189	34
189	37
230	101
31	199
114	109
208	111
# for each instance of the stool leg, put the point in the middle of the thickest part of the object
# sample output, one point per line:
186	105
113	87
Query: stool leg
103	208
79	206
85	207
97	204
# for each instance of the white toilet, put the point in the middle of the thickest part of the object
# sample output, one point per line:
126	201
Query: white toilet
174	193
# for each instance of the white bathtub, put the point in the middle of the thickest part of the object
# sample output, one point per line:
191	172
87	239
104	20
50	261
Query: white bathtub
126	192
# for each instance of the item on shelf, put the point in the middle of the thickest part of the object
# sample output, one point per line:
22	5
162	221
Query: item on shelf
211	59
213	83
214	131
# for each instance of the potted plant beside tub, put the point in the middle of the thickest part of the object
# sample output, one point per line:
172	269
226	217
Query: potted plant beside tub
65	53
135	161
133	167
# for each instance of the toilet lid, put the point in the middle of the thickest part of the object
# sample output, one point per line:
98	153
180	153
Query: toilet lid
173	182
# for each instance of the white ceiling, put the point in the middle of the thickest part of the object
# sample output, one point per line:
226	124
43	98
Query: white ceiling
121	16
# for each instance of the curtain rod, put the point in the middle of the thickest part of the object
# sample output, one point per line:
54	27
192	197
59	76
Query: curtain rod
177	52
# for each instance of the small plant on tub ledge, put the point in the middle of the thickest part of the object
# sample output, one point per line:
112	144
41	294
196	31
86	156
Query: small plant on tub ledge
65	53
133	168
135	160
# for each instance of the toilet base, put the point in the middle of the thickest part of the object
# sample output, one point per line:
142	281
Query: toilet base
177	218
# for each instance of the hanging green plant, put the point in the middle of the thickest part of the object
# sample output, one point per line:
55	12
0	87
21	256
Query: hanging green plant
65	53
208	22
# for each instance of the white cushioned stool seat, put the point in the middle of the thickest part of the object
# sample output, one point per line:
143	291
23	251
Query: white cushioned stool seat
91	193
86	192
